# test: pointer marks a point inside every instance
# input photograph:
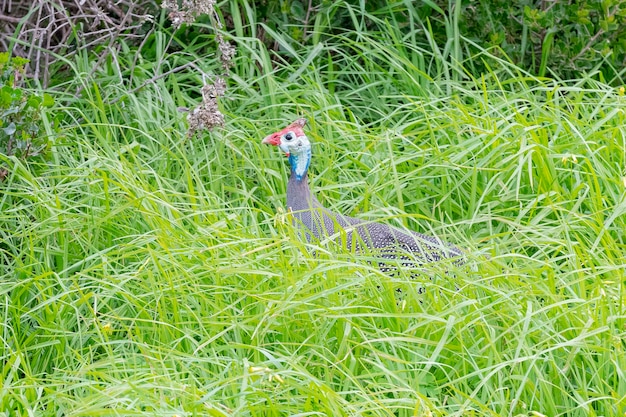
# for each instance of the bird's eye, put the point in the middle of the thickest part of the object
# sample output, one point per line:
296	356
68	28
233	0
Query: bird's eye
289	136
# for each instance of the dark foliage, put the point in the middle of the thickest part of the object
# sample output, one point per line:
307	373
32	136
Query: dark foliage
563	38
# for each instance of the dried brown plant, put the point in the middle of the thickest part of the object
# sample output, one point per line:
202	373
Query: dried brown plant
187	11
207	114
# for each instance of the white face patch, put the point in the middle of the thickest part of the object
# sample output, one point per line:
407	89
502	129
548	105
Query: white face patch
299	144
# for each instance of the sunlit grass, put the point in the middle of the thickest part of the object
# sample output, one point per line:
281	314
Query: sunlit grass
145	273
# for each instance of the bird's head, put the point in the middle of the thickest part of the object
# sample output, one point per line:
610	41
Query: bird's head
294	143
291	139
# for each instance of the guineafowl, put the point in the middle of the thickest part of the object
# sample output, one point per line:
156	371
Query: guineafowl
316	222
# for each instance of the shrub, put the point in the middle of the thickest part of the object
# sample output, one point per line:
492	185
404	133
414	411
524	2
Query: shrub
20	113
547	37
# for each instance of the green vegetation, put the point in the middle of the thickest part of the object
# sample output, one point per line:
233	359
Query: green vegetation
560	39
557	38
19	113
143	272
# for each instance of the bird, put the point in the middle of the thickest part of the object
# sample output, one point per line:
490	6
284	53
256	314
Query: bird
315	222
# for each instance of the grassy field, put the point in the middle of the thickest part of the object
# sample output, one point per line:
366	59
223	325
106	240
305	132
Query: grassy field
146	273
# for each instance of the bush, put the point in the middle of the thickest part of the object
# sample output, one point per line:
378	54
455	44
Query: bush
47	30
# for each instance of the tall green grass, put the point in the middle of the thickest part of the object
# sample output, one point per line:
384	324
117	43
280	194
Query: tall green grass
145	273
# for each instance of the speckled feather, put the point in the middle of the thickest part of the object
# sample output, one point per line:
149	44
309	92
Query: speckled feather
376	239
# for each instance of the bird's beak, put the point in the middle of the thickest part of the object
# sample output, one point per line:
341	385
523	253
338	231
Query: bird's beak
271	140
274	139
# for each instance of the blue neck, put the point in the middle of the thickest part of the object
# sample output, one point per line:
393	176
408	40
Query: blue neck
300	163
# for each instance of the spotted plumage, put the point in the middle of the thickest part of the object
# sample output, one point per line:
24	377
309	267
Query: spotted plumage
316	222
